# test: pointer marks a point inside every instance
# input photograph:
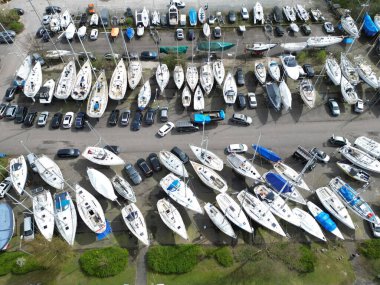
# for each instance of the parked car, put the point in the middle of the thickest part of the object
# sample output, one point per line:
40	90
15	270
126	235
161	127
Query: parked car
53	9
241	119
375	227
6	40
83	20
148	55
179	34
165	129
180	154
237	148
252	102
111	56
94	34
113	148
279	31
129	12
241	101
10	94
191	35
232	17
155	162
41	31
5	186
132	174
68	153
31	158
28	232
114	117
244	13
82	56
56	120
144	167
80	120
42	119
186	127
68	120
240	77
130	55
309	70
211	19
9	33
137	120
10	113
46	19
359	106
328	27
21	114
164	114
320	155
179	4
3	110
149	116
37	57
30	118
338	141
124	118
334	107
306	29
217	32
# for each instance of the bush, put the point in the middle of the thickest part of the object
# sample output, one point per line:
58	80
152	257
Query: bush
129	21
224	256
104	262
321	56
174	259
16	26
370	248
8	263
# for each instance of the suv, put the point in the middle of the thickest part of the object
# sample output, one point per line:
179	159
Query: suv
79	120
144	167
136	123
114	117
10	94
338	141
56	121
279	31
241	102
155	162
320	155
132	173
241	119
29	119
42	119
10	112
232	17
306	29
180	154
21	114
185	126
124	118
164	114
68	153
149	116
252	102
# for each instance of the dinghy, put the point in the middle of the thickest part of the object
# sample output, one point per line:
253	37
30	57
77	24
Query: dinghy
180	192
82	85
209	177
192	76
18	172
140	30
134	73
201	15
290	66
7	225
259	47
321	42
98	99
333	70
302	14
178	76
260	72
286	95
360	158
186	97
354	172
172	163
229	89
348	24
348	92
348	69
66	81
199	101
206	77
144	96
101	184
102	156
43	211
307	93
171	217
274	97
294	47
22	73
34	81
90	210
333	204
50	172
243	166
130	33
119	82
289	13
135	222
65	216
368	145
162	76
308	223
206	30
366	73
207	157
266	153
173	15
233	212
258	14
219	72
290	174
124	189
274	70
219	220
46	92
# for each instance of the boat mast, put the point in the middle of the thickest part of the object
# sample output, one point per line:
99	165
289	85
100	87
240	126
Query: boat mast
125	46
108	40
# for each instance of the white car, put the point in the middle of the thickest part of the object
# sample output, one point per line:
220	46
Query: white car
94	34
46	19
165	129
179	4
179	34
5	185
375	227
244	13
252	102
237	148
42	119
359	106
211	19
68	120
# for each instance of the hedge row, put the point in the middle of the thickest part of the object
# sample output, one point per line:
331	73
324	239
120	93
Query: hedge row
8	263
370	248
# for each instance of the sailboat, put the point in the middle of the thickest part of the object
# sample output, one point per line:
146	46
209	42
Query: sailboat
243	166
260	47
333	70
144	96
145	17
102	156
18	172
206	77
348	92
83	82
353	172
309	224
321	42
43	211
101	183
173	15
90	210
348	69
155	18
290	174
7	225
186	97
22	73
123	188
46	92
65	19
219	220
274	96
348	24
180	192
34	81
199	101
360	158
294	47
49	172
290	66
368	145
134	73
209	177
307	93
219	72
286	95
366	73
65	216
171	217
230	89
192	76
258	13
172	163
260	72
178	76
302	13
289	13
66	81
119	82
54	24
207	157
274	70
69	32
98	99
135	222
162	76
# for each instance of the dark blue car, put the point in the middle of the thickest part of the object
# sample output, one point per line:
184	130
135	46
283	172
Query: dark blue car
148	55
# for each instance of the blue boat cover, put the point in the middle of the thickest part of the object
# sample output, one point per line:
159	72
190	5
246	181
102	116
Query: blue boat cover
277	182
104	234
266	153
174	185
61	202
369	27
130	32
6	225
200	118
193	17
348	195
325	221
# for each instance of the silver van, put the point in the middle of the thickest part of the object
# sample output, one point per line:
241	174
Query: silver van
28	227
186	126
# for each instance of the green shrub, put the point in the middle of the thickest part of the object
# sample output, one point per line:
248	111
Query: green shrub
104	262
30	265
129	21
16	26
302	56
370	248
8	263
321	56
174	259
224	256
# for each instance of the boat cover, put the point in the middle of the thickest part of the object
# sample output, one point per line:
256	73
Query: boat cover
174	49
104	234
214	46
369	27
202	118
174	186
277	182
266	153
348	195
129	33
6	225
326	222
193	17
61	202
132	216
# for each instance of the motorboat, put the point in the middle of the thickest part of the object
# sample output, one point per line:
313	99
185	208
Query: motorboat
171	217
307	93
101	156
276	204
202	15
302	14
333	70
18	173
66	81
144	96
94	20
50	172
260	47
70	32
155	20
90	210
123	188
274	96
7	225
192	17
192	76
348	91
173	15
140	30
290	66
82	85
219	72
186	97
259	212
368	145
55	25
366	73
81	32
274	70
98	99
233	212
135	222
134	73
282	186
180	192
353	172
348	69
266	153
219	220
206	77
286	95
172	163
119	82
206	30
130	33
243	166
334	205
178	76
316	15
294	47
352	199
22	73
348	24
34	81
101	184
258	13
289	13
360	158
162	76
294	27
229	89
46	92
207	157
199	100
308	223
321	42
209	177
260	72
65	216
142	17
290	174
43	211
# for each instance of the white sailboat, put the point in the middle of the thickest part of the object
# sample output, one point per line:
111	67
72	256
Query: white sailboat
23	71
124	189
259	47
65	216
289	13
192	76
294	47
180	192
102	156
309	224
18	172
353	172
366	73
302	13
98	99
348	24
81	32
70	32
34	81
57	54
209	177
290	174
207	157
274	70
155	18
348	91
258	13
135	222
206	77
173	15
320	42
368	145
49	172
243	166
219	220
178	76
119	82
348	69
43	211
144	96
145	17
290	66
206	30
333	70
260	72
360	158
134	73
186	97
199	100
307	93
46	92
219	72
162	76
230	89
172	163
66	81
171	217
65	19
94	20
82	85
286	95
101	183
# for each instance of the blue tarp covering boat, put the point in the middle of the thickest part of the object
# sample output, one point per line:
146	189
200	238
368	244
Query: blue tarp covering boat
277	182
369	27
104	234
7	223
326	222
207	117
174	186
193	17
266	153
130	32
61	201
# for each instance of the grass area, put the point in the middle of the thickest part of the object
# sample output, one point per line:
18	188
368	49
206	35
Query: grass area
10	20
